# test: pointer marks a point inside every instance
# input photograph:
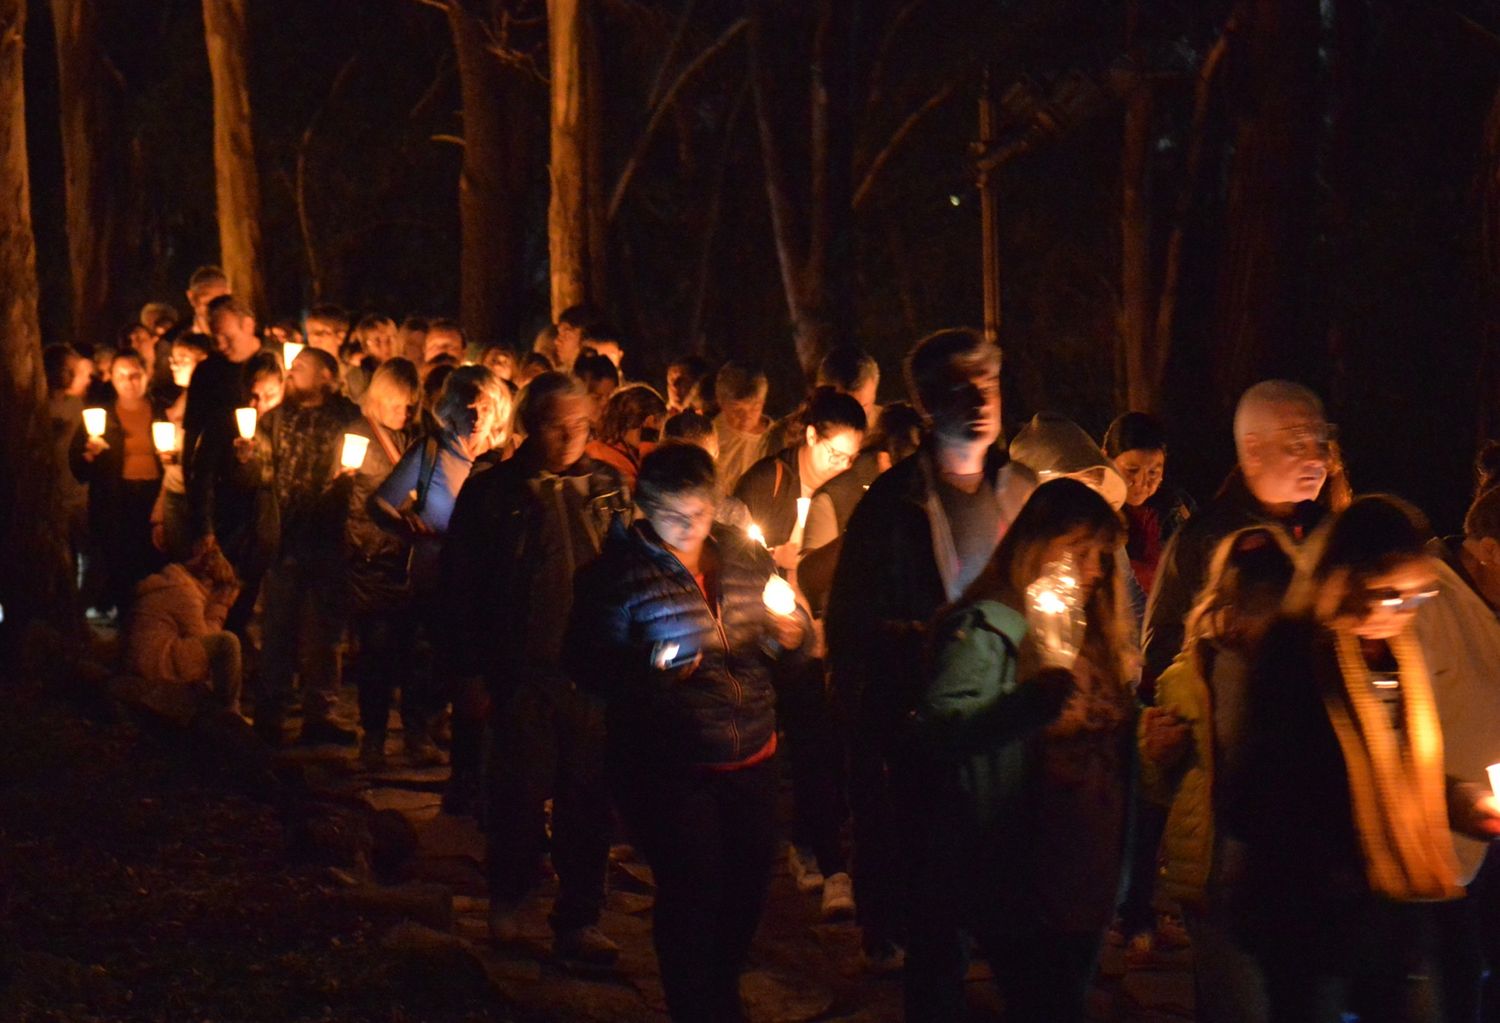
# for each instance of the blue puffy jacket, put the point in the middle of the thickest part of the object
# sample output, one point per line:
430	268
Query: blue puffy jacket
636	595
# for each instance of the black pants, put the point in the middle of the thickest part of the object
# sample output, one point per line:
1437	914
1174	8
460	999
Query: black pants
814	753
709	838
881	811
548	742
387	641
1469	947
121	541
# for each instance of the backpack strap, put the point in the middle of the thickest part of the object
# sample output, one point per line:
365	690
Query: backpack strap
424	478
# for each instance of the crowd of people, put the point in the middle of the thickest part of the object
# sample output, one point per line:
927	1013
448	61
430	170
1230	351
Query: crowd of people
1259	725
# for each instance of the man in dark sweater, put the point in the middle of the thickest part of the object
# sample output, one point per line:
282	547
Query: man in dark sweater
519	532
298	445
920	536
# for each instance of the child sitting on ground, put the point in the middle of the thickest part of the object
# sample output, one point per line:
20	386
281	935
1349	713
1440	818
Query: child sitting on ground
176	631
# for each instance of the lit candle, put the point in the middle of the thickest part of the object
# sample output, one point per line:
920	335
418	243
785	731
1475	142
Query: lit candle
754	532
93	421
352	456
778	596
1054	612
803	504
164	436
1494	773
245	418
289	352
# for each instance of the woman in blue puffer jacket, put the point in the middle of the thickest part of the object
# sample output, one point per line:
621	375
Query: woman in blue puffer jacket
670	627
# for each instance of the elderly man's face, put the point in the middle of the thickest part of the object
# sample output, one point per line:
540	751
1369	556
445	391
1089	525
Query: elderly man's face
564	431
1286	460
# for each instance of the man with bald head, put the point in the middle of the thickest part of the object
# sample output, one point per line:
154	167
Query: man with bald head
1282	441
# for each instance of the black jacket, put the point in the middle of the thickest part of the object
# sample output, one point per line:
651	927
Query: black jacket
375	552
103	474
226	497
637	595
496	567
1184	566
769	489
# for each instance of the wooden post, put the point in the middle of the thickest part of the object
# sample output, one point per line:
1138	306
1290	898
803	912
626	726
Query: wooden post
236	180
989	212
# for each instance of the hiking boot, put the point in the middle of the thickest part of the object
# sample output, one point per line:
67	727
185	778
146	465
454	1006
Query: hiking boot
838	897
803	866
326	733
587	945
372	752
421	751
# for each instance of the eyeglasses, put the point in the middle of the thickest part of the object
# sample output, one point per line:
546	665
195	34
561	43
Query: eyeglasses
837	458
1391	599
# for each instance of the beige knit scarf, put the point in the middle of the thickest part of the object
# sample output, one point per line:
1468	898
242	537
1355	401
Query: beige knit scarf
1397	789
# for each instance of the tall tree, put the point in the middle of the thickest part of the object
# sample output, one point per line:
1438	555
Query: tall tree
35	584
237	182
810	205
88	98
576	213
1270	187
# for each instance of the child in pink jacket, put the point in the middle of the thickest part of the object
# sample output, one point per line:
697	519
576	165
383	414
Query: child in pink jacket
176	631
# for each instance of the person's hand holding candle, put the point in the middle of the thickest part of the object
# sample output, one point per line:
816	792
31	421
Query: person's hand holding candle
1054	611
245	420
94	421
164	439
781	600
352	454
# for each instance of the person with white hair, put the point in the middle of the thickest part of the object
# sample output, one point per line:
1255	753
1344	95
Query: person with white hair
1282	442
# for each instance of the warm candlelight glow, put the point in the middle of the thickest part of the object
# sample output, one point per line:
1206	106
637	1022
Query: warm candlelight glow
1054	613
778	596
754	532
93	421
164	437
803	504
245	418
352	456
289	352
1494	773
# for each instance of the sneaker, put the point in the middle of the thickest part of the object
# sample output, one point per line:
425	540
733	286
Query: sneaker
505	924
587	945
421	751
838	897
326	733
372	752
803	866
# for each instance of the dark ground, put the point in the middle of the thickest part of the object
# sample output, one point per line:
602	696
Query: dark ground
142	883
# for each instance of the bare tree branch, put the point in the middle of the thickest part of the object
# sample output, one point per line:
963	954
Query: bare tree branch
882	54
304	144
653	97
627	173
898	137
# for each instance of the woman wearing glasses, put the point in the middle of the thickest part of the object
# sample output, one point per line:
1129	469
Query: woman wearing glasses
1339	795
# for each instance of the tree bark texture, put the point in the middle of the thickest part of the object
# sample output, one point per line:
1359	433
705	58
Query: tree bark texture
1270	189
235	177
810	211
575	213
88	99
491	184
35	584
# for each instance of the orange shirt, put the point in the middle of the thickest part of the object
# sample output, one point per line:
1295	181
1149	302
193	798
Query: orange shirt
138	460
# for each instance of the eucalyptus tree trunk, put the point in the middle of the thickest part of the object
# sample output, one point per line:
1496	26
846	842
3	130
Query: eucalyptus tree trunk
236	180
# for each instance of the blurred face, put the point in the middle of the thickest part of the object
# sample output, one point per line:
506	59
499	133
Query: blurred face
564	431
832	454
183	361
569	343
744	415
325	335
499	362
235	335
968	409
380	341
599	392
201	296
129	380
1390	601
1088	549
678	385
442	342
1287	461
1142	471
306	379
393	412
83	374
265	393
683	520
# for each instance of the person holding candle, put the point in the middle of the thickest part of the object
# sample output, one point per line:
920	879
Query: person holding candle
1023	754
305	591
519	532
67	374
916	540
671	627
777	491
226	497
1340	795
123	472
